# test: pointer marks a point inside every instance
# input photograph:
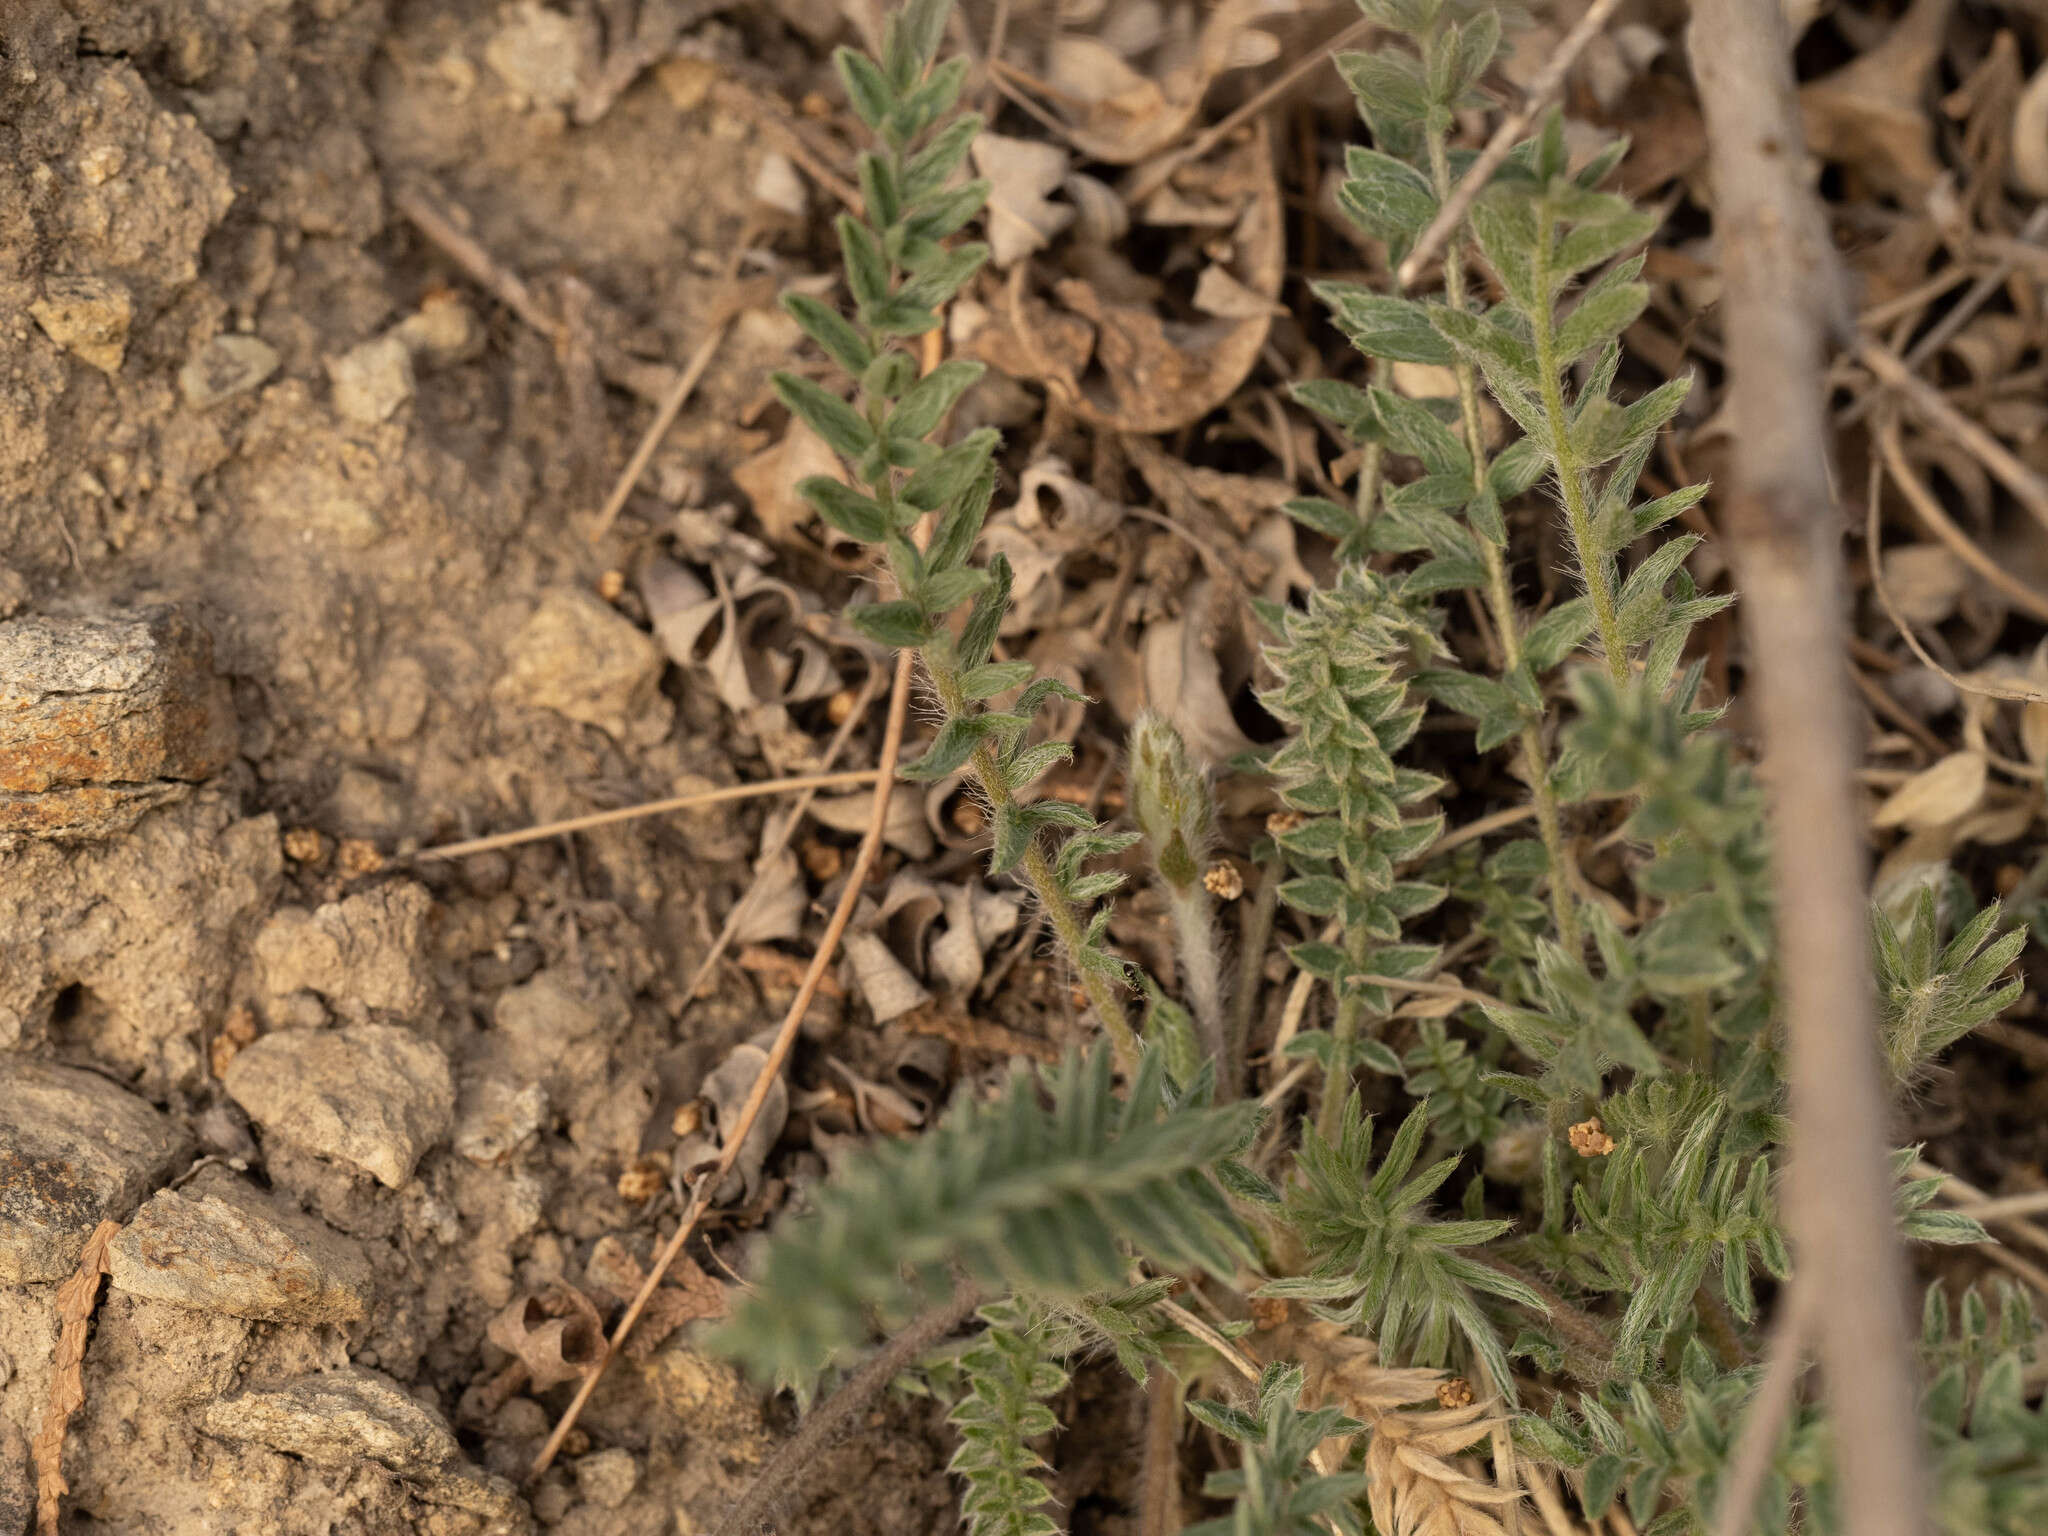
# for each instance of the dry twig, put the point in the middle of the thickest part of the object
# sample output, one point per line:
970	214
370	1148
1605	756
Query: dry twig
1783	299
778	1053
847	779
76	1299
1763	1424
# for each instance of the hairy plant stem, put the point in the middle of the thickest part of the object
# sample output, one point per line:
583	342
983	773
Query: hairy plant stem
1500	596
1254	929
782	1478
1564	458
1344	1030
1199	948
1035	870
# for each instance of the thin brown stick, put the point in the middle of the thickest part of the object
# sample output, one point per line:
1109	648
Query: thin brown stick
1783	298
1965	309
1502	144
782	1478
846	779
778	1053
678	395
772	848
1763	1423
76	1299
1159	1512
1936	520
1926	401
1152	177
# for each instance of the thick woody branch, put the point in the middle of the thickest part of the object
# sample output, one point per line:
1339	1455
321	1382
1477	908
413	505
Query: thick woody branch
1782	306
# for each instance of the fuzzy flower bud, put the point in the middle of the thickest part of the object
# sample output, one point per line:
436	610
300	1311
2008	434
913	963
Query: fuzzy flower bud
1170	800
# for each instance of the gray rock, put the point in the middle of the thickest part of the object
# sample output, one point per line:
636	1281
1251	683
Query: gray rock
496	1115
342	1417
225	367
374	1096
365	955
88	317
222	1245
17	1483
581	658
103	716
74	1150
608	1478
372	380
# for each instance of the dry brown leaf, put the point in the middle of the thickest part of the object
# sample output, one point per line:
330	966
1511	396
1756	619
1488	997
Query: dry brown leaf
879	1109
1118	357
1925	581
1123	106
685	1294
76	1300
1872	114
770	478
555	1333
1936	796
724	1092
1020	216
1413	1491
884	981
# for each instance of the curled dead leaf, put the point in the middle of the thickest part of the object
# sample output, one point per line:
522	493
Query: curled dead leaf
1936	796
1133	89
1020	215
685	1294
724	1093
555	1333
1872	114
1126	360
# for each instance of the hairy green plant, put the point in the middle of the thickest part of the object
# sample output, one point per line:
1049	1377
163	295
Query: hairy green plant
1605	1082
1009	1376
1277	1490
901	273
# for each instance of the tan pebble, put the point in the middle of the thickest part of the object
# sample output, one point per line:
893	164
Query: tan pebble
305	845
822	860
610	585
643	1180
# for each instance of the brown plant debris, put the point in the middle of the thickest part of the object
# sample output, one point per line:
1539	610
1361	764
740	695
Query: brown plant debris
76	1299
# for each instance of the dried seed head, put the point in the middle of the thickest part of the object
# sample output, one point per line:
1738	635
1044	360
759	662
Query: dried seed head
643	1180
1223	881
305	845
1170	800
1283	821
357	857
1590	1139
1454	1393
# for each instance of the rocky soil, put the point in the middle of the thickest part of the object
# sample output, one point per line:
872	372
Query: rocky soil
296	578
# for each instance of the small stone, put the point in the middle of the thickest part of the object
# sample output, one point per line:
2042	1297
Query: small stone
366	954
305	845
374	1096
225	367
442	330
103	716
496	1115
537	54
643	1179
581	658
221	1245
74	1150
540	1021
339	1418
371	381
608	1478
88	317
